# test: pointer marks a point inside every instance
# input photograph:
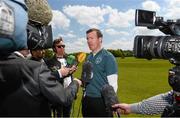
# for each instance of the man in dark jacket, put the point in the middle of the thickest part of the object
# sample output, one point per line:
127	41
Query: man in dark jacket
59	61
26	86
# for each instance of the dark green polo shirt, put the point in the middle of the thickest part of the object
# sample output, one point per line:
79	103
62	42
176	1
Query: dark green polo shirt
104	64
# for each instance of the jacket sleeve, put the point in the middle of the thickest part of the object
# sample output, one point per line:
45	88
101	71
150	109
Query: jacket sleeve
53	90
153	105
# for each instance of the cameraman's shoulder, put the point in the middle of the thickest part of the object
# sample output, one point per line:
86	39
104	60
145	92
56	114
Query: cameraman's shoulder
32	63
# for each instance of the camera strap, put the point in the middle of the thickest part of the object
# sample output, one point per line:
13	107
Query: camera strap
23	5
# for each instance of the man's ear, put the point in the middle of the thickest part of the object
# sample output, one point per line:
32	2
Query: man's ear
100	39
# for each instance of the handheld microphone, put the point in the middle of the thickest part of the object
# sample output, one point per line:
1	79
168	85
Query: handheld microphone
87	73
110	97
75	60
71	60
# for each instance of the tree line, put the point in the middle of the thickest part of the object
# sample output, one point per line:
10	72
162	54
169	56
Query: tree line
117	53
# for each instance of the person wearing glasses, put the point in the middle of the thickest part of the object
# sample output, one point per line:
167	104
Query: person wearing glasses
58	61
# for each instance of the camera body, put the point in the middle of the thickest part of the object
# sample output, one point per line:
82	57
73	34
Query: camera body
163	47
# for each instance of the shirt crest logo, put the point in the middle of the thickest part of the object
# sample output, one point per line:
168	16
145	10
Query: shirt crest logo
98	60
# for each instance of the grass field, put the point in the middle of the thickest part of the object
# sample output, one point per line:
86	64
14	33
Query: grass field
138	79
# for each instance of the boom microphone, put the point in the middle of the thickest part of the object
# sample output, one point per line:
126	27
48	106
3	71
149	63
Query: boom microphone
110	97
87	73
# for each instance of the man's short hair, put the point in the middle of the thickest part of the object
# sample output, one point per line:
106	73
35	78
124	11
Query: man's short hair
98	32
56	41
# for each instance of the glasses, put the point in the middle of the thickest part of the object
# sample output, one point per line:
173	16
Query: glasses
60	46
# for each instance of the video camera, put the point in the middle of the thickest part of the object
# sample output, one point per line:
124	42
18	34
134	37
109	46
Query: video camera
39	36
164	47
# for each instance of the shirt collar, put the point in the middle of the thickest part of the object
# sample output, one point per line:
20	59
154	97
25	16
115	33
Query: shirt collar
19	54
94	53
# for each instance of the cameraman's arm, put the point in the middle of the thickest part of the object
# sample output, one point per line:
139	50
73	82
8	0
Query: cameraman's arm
53	90
152	105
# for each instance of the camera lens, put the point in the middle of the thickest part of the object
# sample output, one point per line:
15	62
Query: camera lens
163	47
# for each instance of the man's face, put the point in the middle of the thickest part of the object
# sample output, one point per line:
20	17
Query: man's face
60	48
93	41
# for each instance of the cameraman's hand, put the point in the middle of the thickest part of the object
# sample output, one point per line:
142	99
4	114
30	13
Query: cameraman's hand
79	81
124	108
64	71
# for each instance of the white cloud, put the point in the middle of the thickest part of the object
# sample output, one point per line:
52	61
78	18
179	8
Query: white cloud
59	20
68	35
91	16
120	19
151	5
172	9
174	3
78	45
94	16
124	44
115	32
145	31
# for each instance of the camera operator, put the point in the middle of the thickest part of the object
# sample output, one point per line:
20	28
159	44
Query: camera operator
150	106
26	86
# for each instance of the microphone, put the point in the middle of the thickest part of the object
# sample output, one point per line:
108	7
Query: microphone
75	60
110	97
87	73
71	60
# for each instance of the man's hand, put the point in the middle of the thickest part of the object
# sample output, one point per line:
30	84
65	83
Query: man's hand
64	71
124	108
73	69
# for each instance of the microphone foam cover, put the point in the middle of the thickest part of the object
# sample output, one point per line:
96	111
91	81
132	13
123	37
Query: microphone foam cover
87	73
39	11
109	95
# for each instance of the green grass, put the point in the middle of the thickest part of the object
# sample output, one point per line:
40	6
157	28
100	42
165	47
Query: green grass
138	80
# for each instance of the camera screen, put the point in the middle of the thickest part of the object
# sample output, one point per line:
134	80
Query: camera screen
144	18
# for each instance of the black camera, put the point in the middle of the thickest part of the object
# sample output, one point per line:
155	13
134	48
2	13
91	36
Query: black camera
39	36
164	47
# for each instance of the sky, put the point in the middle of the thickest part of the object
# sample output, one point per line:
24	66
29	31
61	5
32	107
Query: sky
115	18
